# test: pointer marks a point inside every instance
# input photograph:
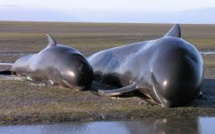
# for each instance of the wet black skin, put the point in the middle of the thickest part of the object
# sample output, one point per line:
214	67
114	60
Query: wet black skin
56	65
169	70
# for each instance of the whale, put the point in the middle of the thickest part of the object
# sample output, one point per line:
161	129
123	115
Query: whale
168	70
56	64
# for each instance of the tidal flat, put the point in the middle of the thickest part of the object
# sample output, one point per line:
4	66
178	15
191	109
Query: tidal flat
22	102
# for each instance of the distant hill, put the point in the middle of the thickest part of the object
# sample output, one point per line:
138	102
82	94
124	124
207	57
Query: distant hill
195	16
13	13
205	15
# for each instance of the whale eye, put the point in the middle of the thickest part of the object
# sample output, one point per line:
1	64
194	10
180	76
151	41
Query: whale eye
81	69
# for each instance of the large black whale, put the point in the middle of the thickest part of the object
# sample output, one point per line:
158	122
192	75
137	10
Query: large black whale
169	70
56	65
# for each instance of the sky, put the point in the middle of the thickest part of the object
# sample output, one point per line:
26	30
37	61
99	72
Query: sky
102	9
73	6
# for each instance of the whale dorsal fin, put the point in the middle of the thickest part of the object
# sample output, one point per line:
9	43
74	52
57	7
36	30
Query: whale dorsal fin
175	31
51	41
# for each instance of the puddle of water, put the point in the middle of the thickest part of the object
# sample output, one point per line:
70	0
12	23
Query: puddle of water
11	77
5	64
11	54
163	126
206	125
208	53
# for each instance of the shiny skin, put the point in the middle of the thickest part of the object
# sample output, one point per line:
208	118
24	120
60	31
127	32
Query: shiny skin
169	70
56	65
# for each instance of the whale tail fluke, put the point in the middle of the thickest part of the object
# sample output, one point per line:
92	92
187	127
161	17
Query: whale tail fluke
51	41
175	31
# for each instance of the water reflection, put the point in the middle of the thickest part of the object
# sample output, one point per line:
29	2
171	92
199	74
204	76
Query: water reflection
6	64
208	53
161	126
207	125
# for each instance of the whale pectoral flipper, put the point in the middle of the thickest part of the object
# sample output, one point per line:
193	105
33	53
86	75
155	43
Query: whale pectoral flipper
118	91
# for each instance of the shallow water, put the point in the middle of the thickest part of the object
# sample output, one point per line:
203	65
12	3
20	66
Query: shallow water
162	126
6	64
208	53
12	77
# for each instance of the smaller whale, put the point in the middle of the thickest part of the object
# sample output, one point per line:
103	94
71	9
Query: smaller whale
168	70
55	65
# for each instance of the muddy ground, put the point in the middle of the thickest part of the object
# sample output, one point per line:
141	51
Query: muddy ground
22	102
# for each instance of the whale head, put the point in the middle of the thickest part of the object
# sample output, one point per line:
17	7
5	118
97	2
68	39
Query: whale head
176	71
74	69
